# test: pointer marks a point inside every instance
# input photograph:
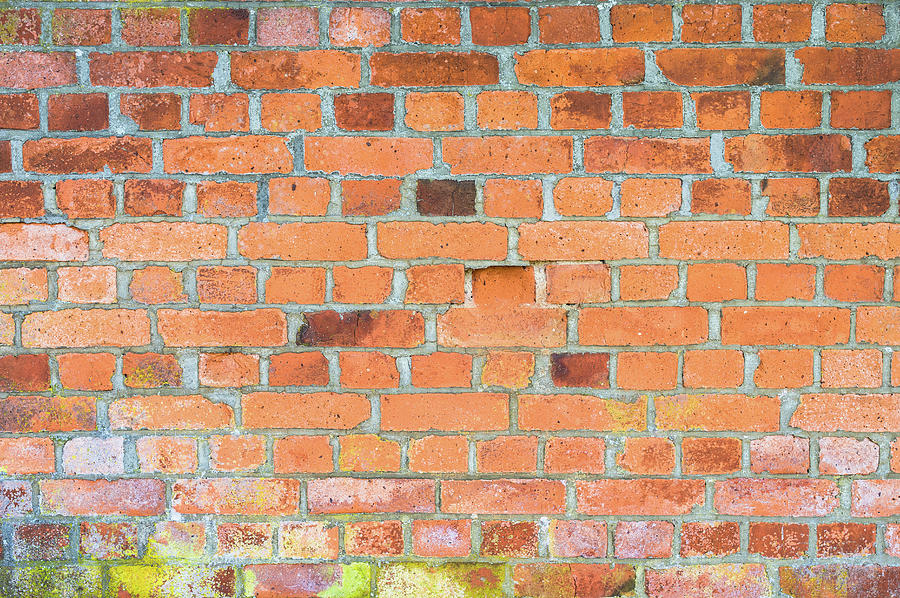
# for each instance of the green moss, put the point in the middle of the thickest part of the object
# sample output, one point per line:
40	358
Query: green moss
355	582
50	582
453	580
142	581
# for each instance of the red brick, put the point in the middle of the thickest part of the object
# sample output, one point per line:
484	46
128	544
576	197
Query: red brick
646	370
441	538
637	155
790	109
151	26
713	368
854	282
849	66
308	540
709	23
644	539
34	70
500	26
88	284
853	413
710	539
439	454
441	370
450	240
509	198
153	197
368	155
779	282
568	25
286	112
580	110
791	368
508	155
574	455
641	23
875	498
583	196
285	69
786	153
436	111
78	112
364	328
654	497
153	69
378	538
369	369
580	370
778	540
228	199
298	369
303	454
75	27
710	456
583	241
649	197
42	242
323	241
849	241
21	199
642	326
433	69
19	111
861	109
85	155
209	26
364	111
507	454
584	67
858	197
641	283
771	325
126	497
782	22
722	109
507	110
577	283
776	497
718	579
847	456
167	454
159	241
444	411
152	111
20	26
718	412
196	328
854	23
509	539
48	414
430	25
359	26
27	456
242	496
313	410
86	328
647	456
182	412
716	282
349	495
503	497
368	452
580	412
220	112
720	66
86	371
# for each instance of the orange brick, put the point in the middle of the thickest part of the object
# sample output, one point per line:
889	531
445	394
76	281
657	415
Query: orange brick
368	284
711	23
713	368
780	282
86	371
295	285
650	197
574	455
439	454
782	22
789	368
646	370
722	109
647	456
652	110
299	196
226	284
430	25
229	199
791	197
435	111
236	453
716	282
641	23
505	454
508	198
790	109
229	369
507	110
580	110
303	454
442	370
220	112
368	452
359	27
710	456
370	197
284	112
578	283
508	369
167	454
583	196
861	109
854	23
503	26
854	282
720	196
369	369
641	283
442	283
87	284
568	25
845	368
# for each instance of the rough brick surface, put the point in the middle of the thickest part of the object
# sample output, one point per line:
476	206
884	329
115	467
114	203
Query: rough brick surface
450	299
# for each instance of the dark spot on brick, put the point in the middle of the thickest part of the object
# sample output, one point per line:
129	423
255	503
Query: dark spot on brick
219	26
441	197
333	329
364	111
581	110
858	197
21	199
580	369
24	373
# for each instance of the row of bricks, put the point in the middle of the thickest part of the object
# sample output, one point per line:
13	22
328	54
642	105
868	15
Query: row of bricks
446	111
494	198
660	497
455	412
430	580
485	26
581	240
500	154
706	456
447	538
477	327
564	284
580	67
625	370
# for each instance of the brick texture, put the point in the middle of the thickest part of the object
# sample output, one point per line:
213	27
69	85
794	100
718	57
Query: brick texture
450	299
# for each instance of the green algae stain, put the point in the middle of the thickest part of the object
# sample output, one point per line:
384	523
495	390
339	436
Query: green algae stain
50	582
142	581
355	582
453	580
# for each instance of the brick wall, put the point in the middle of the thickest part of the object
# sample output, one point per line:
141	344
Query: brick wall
445	299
